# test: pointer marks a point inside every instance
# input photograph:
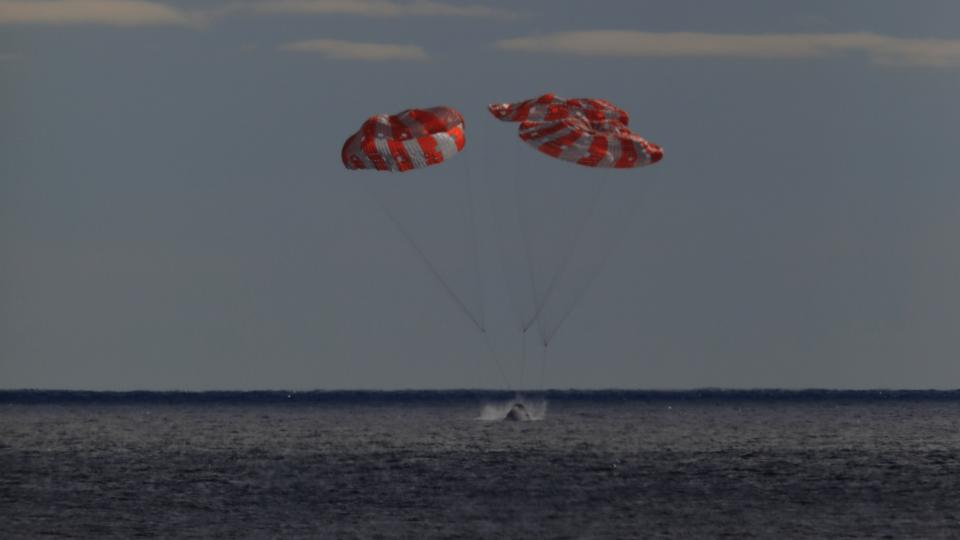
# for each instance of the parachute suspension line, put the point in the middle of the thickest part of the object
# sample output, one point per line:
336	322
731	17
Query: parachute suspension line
569	251
523	356
603	262
471	208
526	245
496	360
500	234
426	261
475	238
543	365
486	337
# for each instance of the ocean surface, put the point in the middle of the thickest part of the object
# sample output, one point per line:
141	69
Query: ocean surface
613	464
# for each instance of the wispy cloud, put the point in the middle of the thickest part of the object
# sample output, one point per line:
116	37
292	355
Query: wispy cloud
378	8
147	12
880	49
350	50
98	12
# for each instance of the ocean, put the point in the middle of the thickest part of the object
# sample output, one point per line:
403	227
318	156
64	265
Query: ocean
604	464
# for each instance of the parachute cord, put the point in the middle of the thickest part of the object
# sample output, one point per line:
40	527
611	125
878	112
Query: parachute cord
475	237
540	332
603	262
526	245
543	365
523	356
571	249
500	234
423	257
496	360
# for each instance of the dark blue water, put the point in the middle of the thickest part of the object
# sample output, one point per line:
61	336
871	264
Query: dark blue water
703	464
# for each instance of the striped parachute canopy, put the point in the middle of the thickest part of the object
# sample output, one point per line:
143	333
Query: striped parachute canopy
586	131
412	139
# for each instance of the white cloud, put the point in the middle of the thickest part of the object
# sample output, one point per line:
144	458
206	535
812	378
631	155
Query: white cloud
349	50
880	49
101	12
379	8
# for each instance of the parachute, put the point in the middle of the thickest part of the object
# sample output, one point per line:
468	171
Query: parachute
554	231
568	228
417	139
586	131
549	107
411	139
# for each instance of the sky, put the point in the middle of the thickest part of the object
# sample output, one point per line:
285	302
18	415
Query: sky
174	214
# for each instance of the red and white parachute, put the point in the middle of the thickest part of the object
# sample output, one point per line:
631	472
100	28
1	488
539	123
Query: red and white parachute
556	230
586	131
411	139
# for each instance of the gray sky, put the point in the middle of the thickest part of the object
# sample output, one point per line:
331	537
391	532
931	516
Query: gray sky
174	213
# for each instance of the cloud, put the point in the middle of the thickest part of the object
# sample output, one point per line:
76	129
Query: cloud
379	8
349	50
880	49
101	12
